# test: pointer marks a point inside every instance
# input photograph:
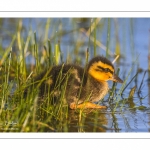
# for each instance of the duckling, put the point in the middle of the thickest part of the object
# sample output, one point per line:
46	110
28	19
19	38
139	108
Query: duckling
82	86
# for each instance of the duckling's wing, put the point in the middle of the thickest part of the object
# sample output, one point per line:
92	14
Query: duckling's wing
70	77
72	74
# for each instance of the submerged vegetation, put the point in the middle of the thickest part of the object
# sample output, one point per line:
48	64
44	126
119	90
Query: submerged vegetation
23	57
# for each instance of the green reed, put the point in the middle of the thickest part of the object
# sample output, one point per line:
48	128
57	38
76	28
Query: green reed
108	37
94	37
36	55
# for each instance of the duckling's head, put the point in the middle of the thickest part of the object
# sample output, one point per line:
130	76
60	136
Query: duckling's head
102	69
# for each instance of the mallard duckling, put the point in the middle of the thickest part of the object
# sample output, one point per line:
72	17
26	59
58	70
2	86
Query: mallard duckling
82	86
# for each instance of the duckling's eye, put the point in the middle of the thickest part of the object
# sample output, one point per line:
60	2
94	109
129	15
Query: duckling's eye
106	70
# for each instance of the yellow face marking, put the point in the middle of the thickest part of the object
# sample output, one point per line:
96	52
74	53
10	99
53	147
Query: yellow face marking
97	71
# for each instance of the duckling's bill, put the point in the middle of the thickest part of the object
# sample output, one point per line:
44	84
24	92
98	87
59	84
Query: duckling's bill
115	78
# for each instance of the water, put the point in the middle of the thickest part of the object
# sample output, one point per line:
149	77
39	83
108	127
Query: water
134	38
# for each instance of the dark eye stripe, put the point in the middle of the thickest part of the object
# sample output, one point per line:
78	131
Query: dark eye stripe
105	69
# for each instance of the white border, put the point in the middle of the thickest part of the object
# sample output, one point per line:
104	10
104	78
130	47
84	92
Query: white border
69	14
75	135
78	144
75	5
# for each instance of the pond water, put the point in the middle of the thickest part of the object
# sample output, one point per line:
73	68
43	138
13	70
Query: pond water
133	36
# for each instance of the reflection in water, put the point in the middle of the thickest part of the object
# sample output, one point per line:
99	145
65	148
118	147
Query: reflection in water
87	121
115	123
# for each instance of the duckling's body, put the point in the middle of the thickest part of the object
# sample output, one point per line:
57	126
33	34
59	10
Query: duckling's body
82	86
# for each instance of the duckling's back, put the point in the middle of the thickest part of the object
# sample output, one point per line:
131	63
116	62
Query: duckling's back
67	78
